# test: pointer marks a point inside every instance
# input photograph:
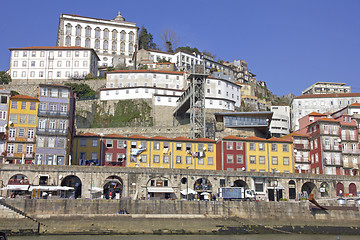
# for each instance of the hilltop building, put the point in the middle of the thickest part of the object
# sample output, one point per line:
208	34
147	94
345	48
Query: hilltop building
321	103
51	64
326	88
111	39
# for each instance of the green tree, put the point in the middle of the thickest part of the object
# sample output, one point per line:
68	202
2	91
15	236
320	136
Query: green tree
4	77
146	40
187	49
82	90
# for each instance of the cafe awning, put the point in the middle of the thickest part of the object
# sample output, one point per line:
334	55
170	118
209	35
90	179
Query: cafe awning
160	189
16	187
184	192
51	188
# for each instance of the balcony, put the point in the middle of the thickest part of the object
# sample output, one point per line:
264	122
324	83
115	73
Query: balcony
20	155
50	113
348	138
327	132
21	139
333	162
302	160
331	147
51	131
301	146
351	151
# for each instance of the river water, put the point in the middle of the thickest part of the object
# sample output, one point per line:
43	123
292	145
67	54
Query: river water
191	237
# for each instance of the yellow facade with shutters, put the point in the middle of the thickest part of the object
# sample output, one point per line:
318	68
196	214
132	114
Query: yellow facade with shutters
269	155
181	153
22	125
86	147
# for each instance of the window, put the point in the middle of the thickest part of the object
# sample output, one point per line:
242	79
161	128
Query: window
261	159
210	161
156	145
21	132
40	141
229	145
60	143
10	148
178	159
239	159
22	119
156	159
286	161
32	105
239	146
23	105
188	160
51	142
230	158
210	148
108	157
13	118
274	160
178	147
274	147
94	142
3	115
252	159
252	146
166	158
285	148
261	147
109	143
82	142
201	161
30	133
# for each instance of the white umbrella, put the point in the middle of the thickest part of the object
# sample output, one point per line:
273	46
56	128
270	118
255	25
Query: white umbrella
189	190
205	193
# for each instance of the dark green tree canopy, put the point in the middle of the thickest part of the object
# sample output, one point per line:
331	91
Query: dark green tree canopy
187	49
82	90
146	40
4	77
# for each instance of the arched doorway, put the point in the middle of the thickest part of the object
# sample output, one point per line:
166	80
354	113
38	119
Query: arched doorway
203	187
17	185
292	189
352	189
74	182
339	189
241	183
324	189
113	187
307	189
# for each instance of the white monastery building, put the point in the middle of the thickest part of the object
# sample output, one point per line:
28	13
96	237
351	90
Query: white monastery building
327	87
51	64
109	38
321	103
165	87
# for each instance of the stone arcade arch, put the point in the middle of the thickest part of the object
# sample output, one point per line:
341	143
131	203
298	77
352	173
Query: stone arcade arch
352	189
307	189
339	189
75	182
113	187
240	183
160	188
19	179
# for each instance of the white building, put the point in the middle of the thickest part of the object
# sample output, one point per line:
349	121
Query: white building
326	88
165	87
51	64
321	103
109	38
280	123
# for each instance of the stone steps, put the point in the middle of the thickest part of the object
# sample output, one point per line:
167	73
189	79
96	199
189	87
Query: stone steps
8	213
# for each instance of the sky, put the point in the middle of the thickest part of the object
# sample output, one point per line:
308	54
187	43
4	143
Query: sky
289	44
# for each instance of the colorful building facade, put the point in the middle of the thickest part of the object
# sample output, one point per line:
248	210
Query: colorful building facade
231	154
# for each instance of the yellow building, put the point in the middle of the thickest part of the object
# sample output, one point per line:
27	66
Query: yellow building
268	155
86	147
162	152
20	145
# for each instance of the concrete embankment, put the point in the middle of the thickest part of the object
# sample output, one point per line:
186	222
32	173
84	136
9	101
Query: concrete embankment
179	217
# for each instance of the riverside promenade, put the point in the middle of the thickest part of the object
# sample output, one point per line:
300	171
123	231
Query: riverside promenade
85	216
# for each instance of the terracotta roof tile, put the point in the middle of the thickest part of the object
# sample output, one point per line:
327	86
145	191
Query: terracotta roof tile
355	105
182	139
316	114
231	137
160	138
88	134
275	139
114	136
136	136
24	97
253	138
204	140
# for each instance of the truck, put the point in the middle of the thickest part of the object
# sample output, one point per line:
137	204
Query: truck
236	194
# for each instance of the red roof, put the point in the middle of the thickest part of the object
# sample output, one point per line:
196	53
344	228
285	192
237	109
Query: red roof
136	136
253	138
331	95
316	114
231	137
181	139
355	105
88	135
160	138
204	140
24	97
275	139
146	71
114	136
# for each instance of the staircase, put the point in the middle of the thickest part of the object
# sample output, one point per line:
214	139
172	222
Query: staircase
13	212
